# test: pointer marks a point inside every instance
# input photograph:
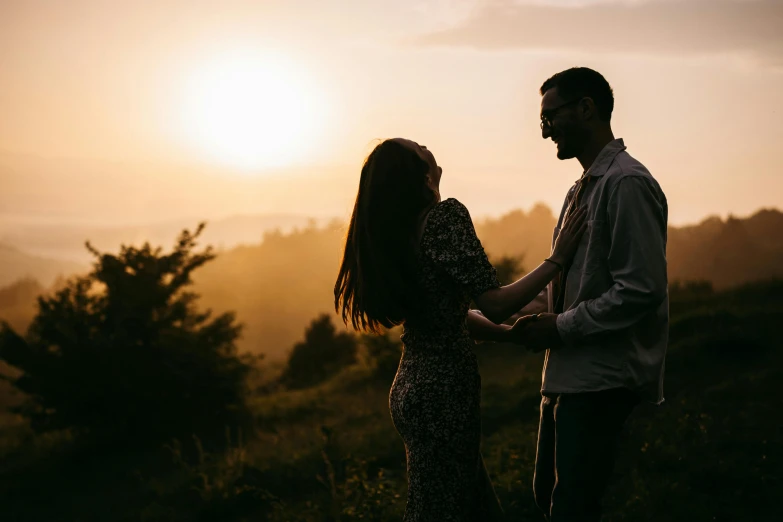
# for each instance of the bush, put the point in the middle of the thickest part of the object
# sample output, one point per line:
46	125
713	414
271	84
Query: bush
322	354
381	355
508	268
124	351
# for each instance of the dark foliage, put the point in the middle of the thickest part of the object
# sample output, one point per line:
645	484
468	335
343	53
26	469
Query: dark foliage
710	452
322	354
124	351
509	269
382	354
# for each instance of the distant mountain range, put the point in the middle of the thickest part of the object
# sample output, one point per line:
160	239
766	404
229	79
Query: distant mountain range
16	264
66	242
276	286
729	252
726	252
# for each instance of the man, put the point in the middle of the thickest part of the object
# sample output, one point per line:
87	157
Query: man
606	324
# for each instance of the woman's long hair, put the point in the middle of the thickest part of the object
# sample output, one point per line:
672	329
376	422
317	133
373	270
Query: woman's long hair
377	283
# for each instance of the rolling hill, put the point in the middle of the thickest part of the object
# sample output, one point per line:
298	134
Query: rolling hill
278	285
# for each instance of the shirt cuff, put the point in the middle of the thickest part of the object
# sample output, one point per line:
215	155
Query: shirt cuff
566	326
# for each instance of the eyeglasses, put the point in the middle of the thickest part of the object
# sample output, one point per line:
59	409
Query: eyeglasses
549	114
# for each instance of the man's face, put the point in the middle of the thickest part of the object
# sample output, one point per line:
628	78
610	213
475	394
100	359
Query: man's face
561	121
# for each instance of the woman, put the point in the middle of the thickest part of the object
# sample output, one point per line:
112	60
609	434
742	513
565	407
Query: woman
411	259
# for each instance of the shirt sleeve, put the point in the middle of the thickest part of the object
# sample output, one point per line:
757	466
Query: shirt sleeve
637	220
451	243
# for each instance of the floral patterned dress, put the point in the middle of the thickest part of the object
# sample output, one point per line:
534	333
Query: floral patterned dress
436	395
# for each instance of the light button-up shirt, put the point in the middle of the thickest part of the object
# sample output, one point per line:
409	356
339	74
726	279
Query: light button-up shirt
615	323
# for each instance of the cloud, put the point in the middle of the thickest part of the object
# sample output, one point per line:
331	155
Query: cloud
694	27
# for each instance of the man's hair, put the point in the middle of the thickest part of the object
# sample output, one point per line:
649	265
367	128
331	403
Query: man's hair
581	82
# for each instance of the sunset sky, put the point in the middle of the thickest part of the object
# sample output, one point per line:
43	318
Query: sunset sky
137	111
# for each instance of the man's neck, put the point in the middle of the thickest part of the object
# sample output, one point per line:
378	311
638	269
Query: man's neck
593	149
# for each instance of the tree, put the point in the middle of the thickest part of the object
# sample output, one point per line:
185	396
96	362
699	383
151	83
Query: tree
509	269
124	351
322	354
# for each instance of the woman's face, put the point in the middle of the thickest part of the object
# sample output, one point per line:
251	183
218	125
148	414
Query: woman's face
435	172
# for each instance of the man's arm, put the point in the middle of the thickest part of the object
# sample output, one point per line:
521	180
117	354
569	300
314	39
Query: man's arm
637	262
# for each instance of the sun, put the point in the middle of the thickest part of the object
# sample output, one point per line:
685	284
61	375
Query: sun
251	110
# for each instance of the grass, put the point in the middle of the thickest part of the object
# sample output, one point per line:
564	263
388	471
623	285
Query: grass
711	452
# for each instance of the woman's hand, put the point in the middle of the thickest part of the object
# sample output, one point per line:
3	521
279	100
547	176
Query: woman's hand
482	329
570	235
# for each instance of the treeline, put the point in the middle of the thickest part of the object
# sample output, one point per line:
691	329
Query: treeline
278	286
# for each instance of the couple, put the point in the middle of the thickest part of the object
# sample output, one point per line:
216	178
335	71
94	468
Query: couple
598	306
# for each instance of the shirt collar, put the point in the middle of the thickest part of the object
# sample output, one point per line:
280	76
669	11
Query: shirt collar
605	158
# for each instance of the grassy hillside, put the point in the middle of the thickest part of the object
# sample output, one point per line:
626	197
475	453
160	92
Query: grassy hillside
711	452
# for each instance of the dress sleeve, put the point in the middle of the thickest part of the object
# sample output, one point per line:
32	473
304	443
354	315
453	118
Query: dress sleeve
450	241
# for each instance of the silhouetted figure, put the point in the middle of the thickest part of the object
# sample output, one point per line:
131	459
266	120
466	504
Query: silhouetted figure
607	317
411	259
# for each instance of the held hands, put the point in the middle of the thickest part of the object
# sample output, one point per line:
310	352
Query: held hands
570	235
536	332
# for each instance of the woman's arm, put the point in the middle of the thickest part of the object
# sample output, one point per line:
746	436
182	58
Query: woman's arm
498	304
482	329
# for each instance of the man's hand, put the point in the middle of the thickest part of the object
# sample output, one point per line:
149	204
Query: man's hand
536	332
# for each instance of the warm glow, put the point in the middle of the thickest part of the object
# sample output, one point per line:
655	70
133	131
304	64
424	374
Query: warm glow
251	110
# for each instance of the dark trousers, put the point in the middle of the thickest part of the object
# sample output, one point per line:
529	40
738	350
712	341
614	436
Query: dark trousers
577	439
